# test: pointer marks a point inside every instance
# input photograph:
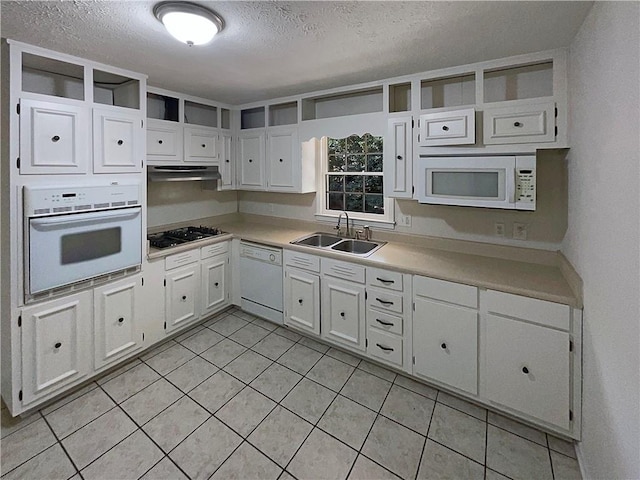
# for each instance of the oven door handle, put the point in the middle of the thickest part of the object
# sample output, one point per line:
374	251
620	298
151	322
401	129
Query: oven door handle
90	217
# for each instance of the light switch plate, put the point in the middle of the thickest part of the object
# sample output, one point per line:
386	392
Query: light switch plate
519	231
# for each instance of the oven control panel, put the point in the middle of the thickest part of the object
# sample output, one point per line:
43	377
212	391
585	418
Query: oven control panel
526	185
40	201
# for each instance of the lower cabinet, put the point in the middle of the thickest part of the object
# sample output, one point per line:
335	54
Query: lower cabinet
117	328
181	296
215	285
302	300
343	312
56	341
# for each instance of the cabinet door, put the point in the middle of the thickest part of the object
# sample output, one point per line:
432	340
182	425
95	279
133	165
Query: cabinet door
453	127
181	297
445	344
56	337
398	158
252	171
343	312
527	367
520	124
116	323
117	142
164	141
284	159
227	164
200	145
214	283
54	138
302	300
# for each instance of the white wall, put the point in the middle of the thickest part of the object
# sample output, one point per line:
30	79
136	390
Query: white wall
603	239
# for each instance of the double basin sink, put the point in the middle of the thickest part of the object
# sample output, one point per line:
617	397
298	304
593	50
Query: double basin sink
326	241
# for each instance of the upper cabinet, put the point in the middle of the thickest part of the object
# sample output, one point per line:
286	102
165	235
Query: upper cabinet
74	116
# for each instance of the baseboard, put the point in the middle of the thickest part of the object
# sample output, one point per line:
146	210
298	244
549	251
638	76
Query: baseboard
581	464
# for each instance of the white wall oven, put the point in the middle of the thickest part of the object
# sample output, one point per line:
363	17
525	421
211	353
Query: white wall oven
75	234
506	181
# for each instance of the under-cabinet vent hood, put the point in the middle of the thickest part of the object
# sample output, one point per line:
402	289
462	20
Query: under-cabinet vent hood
182	173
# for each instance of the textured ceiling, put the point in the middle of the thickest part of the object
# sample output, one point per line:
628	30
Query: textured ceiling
273	49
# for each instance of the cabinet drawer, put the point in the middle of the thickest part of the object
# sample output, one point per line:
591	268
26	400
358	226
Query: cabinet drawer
384	300
448	128
213	250
546	313
384	321
343	270
527	368
384	279
302	260
199	144
179	259
164	142
520	124
449	292
384	346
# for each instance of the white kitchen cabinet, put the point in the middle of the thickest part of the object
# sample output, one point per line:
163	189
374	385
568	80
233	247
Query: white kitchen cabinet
283	159
54	138
398	158
117	142
385	347
182	296
200	145
343	312
251	161
117	329
527	368
445	344
227	163
56	345
302	300
520	123
451	127
164	141
214	273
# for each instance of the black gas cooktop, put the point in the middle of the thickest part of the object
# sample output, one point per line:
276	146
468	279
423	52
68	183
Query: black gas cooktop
171	238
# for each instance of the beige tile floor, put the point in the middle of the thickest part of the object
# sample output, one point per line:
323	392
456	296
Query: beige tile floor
239	398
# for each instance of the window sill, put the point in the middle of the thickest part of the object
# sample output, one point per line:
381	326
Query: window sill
356	222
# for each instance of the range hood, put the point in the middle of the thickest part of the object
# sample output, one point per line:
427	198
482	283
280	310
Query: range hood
182	173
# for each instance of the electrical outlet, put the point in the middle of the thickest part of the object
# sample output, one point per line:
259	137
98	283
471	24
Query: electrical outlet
519	231
498	229
404	220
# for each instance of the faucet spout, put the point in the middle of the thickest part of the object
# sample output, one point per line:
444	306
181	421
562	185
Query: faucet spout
347	226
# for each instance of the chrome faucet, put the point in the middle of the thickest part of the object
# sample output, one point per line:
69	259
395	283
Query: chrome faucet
337	227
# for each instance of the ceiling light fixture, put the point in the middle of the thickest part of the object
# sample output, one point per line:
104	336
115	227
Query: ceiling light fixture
190	23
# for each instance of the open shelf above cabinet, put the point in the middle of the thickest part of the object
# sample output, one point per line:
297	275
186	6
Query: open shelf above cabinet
342	104
519	82
400	97
162	107
283	114
252	118
225	118
448	92
48	76
117	90
200	114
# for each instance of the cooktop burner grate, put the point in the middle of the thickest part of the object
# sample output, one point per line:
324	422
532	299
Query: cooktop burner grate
171	238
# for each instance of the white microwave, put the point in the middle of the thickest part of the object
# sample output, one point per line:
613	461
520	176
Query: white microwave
507	181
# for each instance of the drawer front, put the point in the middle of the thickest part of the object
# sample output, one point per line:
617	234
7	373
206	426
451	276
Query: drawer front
384	321
527	368
343	270
164	142
384	279
520	124
449	292
384	300
384	346
448	128
302	260
545	313
213	250
179	259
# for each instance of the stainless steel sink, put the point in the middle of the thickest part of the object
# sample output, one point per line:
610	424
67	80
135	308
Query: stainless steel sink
338	244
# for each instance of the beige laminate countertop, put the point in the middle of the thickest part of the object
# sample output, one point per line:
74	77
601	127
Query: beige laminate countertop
530	279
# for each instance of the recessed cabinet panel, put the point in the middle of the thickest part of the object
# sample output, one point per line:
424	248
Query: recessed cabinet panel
527	368
455	127
183	287
398	158
214	283
302	300
164	141
282	160
200	145
343	313
54	138
55	345
520	124
445	344
115	317
252	161
117	142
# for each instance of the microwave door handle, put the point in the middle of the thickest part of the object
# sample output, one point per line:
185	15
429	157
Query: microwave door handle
511	186
87	218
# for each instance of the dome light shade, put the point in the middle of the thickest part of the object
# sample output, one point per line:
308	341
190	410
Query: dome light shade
188	22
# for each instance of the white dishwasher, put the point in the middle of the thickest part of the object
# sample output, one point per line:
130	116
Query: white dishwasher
261	281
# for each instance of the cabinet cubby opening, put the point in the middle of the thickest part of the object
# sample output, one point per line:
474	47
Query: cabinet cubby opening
283	114
252	118
448	92
200	114
48	76
117	90
225	118
518	83
162	107
400	97
343	104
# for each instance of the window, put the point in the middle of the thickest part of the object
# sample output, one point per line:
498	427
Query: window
353	178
